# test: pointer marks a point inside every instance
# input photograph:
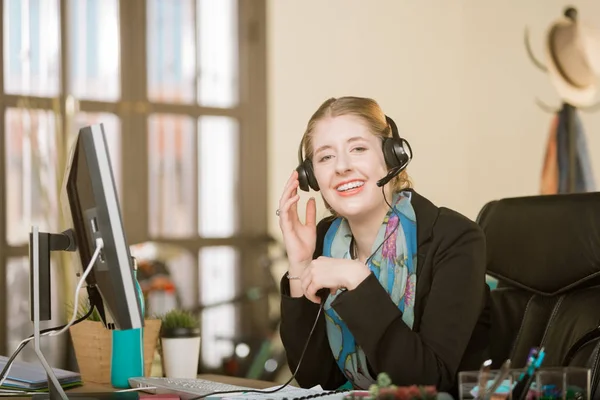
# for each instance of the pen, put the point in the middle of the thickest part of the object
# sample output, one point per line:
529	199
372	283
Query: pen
483	377
504	371
522	387
530	359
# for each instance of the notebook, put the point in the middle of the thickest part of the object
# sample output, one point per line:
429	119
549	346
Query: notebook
32	376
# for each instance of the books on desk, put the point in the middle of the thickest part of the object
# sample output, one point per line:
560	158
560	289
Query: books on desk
32	376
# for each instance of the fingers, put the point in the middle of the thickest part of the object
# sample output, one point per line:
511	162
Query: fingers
311	293
293	177
294	206
287	202
286	189
288	213
330	273
289	191
310	285
311	212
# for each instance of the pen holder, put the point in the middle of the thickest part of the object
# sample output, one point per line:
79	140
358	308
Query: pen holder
496	386
563	383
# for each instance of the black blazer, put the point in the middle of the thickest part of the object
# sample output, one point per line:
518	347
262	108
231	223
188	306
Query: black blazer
452	316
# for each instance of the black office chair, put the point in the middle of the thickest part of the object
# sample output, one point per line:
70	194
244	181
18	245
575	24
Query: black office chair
545	253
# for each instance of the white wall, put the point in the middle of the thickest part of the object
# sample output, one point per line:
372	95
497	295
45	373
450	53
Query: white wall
454	76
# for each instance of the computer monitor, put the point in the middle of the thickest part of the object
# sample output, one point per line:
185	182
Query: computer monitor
89	199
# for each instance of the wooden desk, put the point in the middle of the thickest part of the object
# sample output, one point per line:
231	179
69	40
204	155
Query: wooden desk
232	380
90	387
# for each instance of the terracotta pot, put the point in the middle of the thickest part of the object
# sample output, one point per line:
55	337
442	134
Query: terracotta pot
92	343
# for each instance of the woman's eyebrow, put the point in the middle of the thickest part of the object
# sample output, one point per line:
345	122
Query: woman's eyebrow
350	140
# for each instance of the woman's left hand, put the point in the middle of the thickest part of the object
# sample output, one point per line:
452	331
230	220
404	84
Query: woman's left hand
333	274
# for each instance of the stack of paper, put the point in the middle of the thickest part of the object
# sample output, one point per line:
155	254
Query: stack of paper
32	376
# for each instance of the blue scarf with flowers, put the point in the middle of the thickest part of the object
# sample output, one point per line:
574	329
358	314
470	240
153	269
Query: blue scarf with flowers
395	266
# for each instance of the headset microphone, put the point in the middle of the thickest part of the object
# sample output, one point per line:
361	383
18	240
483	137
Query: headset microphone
403	158
389	176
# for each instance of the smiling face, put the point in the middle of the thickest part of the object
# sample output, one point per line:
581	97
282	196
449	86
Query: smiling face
348	161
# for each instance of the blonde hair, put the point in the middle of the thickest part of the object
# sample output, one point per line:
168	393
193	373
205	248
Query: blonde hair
369	112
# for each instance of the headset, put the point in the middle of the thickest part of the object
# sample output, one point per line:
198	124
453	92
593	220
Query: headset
394	152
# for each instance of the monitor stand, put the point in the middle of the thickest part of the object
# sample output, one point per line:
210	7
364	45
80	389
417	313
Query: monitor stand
41	244
36	258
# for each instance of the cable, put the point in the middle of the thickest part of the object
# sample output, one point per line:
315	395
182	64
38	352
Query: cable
61	329
22	345
322	305
99	247
393	210
390	234
285	384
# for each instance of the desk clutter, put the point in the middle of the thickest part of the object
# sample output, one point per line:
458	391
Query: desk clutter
31	377
188	389
528	383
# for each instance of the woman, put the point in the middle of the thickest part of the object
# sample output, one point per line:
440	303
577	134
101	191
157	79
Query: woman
406	279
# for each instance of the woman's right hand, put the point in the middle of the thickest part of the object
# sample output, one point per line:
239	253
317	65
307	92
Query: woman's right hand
299	239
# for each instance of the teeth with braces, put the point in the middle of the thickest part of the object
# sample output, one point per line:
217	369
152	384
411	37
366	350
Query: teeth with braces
350	185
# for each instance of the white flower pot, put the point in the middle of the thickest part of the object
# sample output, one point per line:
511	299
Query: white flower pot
181	352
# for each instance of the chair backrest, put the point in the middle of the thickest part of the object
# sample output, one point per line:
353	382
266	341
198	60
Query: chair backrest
545	253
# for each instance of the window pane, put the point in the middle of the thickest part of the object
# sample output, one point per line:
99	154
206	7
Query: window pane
218	275
171	185
217	176
94	47
171	51
218	53
19	324
31	178
31	47
112	131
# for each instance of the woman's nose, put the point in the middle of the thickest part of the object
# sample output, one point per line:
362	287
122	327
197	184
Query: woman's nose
343	164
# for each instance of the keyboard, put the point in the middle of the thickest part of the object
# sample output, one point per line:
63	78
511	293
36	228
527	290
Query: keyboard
185	388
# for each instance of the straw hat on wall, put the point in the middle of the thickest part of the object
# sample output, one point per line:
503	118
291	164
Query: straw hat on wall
572	54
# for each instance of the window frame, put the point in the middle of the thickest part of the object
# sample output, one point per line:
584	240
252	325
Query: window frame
133	109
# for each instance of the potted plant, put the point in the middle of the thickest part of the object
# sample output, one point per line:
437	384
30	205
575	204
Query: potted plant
92	343
180	344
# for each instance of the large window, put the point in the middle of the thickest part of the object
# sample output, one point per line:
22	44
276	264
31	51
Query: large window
180	88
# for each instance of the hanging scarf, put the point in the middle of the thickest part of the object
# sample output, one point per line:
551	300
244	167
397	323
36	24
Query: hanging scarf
395	266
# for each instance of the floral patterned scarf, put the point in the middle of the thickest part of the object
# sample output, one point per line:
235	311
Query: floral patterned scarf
394	264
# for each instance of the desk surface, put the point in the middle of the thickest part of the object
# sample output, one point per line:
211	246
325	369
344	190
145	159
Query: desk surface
232	380
90	387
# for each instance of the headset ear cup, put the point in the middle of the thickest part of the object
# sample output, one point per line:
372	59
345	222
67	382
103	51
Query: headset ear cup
306	177
388	153
310	175
302	177
394	153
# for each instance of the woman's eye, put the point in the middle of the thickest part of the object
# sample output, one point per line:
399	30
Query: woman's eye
324	158
360	149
